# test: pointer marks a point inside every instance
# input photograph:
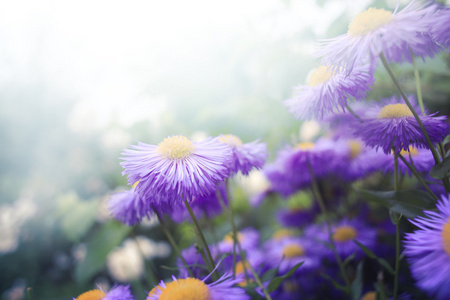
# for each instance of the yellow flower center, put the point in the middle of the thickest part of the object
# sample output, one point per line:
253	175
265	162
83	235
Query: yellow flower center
320	75
176	147
391	111
355	148
184	289
240	267
281	234
344	233
411	150
229	238
293	250
305	146
231	140
369	20
446	236
369	296
92	295
245	282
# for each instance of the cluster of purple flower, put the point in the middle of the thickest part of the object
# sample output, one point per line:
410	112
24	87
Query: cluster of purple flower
179	172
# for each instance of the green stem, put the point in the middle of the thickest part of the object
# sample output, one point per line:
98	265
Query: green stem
30	293
416	116
352	112
414	171
418	85
173	243
397	231
318	196
210	260
258	281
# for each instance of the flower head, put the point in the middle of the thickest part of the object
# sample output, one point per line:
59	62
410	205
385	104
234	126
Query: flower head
177	169
194	289
245	156
440	27
118	292
421	159
428	250
393	127
375	31
328	91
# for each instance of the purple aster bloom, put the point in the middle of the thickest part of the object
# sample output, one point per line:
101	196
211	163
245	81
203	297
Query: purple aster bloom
359	161
428	250
117	292
290	251
245	156
329	91
440	27
301	211
343	234
177	169
194	289
129	207
375	31
421	159
248	239
393	127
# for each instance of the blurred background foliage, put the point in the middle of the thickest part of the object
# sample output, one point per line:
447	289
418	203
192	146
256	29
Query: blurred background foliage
81	80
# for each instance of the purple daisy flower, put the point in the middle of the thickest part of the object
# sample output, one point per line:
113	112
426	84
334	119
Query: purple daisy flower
328	91
421	159
245	156
440	26
375	30
118	292
248	239
194	289
290	251
177	169
129	207
428	250
393	127
359	160
343	234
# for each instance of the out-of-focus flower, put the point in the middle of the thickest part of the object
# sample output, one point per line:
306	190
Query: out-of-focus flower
118	292
328	91
151	249
392	127
194	289
440	26
290	251
246	156
428	250
12	218
343	234
248	238
126	263
398	35
177	169
421	159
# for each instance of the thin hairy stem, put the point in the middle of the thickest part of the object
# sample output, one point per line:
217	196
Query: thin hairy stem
418	85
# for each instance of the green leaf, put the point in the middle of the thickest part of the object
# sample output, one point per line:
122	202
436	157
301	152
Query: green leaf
357	282
446	140
334	282
275	283
366	250
349	259
372	255
98	246
441	170
409	203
